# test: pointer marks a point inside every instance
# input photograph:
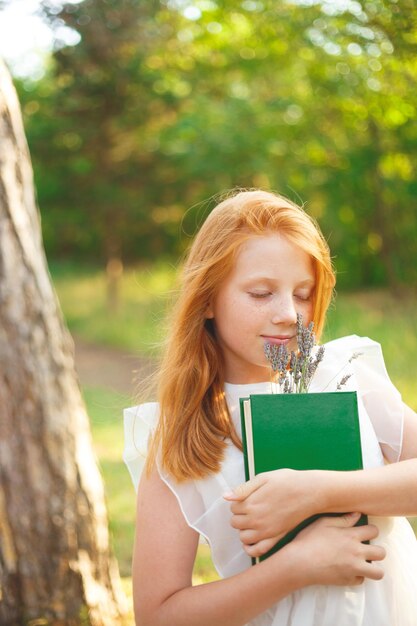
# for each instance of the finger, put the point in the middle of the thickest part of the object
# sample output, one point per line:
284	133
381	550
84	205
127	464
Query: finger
363	533
239	522
344	521
260	548
366	533
373	571
374	553
248	536
244	490
238	508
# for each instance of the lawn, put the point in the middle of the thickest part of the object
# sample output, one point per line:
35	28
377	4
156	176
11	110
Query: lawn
137	326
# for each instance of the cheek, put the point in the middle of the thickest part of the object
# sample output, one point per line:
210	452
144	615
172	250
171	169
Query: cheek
255	318
227	312
247	320
241	318
306	310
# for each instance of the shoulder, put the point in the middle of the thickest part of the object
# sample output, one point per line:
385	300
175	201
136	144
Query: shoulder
352	343
139	421
149	412
364	354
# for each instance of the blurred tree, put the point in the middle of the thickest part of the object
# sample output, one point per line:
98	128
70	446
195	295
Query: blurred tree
55	565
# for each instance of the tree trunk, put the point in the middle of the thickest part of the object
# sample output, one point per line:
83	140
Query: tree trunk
382	222
114	274
55	566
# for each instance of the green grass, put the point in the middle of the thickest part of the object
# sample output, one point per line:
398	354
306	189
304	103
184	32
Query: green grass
135	325
387	319
105	411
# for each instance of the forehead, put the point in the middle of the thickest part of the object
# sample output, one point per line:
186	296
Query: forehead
272	255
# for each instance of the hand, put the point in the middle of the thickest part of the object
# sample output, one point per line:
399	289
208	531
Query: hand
330	552
270	505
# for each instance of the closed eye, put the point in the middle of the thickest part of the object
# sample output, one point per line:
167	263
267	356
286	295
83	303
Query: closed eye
259	294
302	297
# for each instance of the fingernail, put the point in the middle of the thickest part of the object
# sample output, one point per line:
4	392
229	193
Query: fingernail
228	495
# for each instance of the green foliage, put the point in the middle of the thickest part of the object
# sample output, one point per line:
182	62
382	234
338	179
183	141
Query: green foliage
164	104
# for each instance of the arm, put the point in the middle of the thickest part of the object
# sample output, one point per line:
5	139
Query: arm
329	552
388	490
267	507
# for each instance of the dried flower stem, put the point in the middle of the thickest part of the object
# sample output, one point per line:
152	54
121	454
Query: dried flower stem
354	356
295	371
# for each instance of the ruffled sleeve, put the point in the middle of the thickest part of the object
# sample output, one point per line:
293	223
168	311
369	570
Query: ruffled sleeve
139	423
381	398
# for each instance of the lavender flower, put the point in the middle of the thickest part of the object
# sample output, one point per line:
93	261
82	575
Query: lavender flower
343	381
354	356
295	370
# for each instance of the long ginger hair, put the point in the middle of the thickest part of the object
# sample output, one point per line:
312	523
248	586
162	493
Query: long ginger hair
194	423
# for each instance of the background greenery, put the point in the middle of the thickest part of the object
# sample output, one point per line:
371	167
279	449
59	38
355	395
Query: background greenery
164	104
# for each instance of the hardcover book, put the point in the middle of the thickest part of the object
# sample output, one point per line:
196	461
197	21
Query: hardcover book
301	431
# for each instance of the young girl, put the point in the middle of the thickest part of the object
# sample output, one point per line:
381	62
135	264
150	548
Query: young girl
257	261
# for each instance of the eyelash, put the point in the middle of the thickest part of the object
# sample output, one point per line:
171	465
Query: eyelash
260	296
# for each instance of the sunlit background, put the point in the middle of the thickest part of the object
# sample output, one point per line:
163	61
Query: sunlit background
137	114
27	39
140	114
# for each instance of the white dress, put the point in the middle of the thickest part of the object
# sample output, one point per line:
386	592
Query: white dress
391	601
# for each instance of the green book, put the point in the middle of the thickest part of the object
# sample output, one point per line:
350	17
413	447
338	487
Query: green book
301	431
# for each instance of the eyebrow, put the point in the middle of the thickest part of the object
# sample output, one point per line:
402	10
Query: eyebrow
308	282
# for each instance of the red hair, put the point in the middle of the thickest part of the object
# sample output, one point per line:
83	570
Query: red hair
195	423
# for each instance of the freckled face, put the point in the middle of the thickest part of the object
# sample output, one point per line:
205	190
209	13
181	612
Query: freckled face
271	282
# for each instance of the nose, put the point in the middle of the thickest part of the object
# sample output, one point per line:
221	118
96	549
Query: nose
284	311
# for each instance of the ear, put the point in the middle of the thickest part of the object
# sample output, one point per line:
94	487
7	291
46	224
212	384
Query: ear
209	315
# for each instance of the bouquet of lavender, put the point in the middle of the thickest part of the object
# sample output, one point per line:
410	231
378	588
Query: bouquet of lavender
295	370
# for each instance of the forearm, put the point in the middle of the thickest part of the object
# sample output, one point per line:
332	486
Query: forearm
233	601
387	490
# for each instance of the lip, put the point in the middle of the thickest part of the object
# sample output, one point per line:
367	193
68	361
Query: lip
278	339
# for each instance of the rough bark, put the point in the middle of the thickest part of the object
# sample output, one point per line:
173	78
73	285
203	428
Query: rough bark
55	565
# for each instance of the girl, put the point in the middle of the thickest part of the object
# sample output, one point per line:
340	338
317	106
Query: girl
257	261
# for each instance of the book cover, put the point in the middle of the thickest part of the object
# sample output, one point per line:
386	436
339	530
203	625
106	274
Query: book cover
301	431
